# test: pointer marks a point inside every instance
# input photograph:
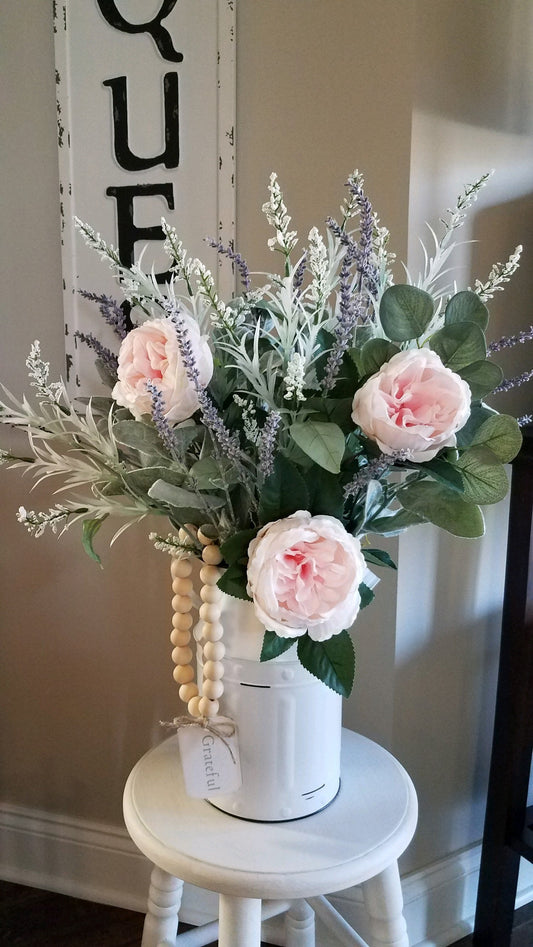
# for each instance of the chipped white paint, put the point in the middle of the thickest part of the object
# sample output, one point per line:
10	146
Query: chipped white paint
166	97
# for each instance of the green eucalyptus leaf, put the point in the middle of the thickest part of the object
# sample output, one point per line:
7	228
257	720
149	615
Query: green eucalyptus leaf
478	415
274	645
501	434
394	523
165	492
405	312
484	477
89	530
466	306
340	412
445	472
366	593
331	661
233	581
374	354
482	377
378	557
236	547
326	495
443	507
347	378
283	492
362	335
459	345
322	441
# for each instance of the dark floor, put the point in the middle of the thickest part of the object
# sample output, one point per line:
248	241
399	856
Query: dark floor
33	918
522	929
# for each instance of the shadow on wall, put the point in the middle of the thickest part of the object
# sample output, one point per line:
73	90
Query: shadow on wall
496	232
445	683
451	591
491	87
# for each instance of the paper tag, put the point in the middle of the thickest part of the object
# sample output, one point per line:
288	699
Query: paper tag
210	763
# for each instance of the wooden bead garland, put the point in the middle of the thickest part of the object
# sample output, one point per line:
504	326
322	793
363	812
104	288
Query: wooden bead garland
202	701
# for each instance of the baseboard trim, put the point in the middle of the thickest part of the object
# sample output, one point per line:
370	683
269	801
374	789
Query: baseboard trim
100	863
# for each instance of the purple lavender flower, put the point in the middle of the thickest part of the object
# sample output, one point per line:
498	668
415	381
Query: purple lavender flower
525	419
368	276
508	341
373	471
299	274
515	382
108	357
113	314
235	258
350	311
158	416
228	442
267	444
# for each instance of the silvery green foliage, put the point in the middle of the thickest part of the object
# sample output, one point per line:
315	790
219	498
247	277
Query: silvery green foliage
289	354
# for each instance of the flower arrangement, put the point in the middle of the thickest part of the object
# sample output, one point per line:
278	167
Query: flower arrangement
291	423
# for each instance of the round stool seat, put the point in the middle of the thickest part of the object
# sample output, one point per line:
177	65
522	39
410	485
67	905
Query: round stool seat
359	835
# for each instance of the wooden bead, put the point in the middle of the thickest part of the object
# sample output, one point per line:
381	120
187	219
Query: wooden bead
179	653
213	670
209	612
210	575
212	555
187	534
210	593
193	706
182	655
180	568
214	651
212	689
179	637
212	630
183	674
182	621
182	586
182	603
207	534
187	692
207	708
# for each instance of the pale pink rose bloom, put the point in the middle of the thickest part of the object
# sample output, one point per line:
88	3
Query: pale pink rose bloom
413	404
304	574
151	353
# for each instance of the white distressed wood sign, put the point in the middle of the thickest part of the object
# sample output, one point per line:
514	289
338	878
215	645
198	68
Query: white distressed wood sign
146	117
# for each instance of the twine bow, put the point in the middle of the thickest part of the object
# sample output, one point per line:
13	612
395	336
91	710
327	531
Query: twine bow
224	729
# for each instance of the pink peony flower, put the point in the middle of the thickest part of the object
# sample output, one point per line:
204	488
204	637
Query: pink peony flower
413	404
151	353
304	574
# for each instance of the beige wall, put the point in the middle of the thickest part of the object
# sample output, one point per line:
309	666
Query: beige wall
85	674
472	112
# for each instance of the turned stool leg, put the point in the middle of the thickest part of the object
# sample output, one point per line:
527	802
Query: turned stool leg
239	921
300	925
164	901
384	904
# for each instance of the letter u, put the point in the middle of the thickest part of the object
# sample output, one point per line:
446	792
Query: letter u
170	156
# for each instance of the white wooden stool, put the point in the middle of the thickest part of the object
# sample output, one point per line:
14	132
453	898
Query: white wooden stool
356	840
